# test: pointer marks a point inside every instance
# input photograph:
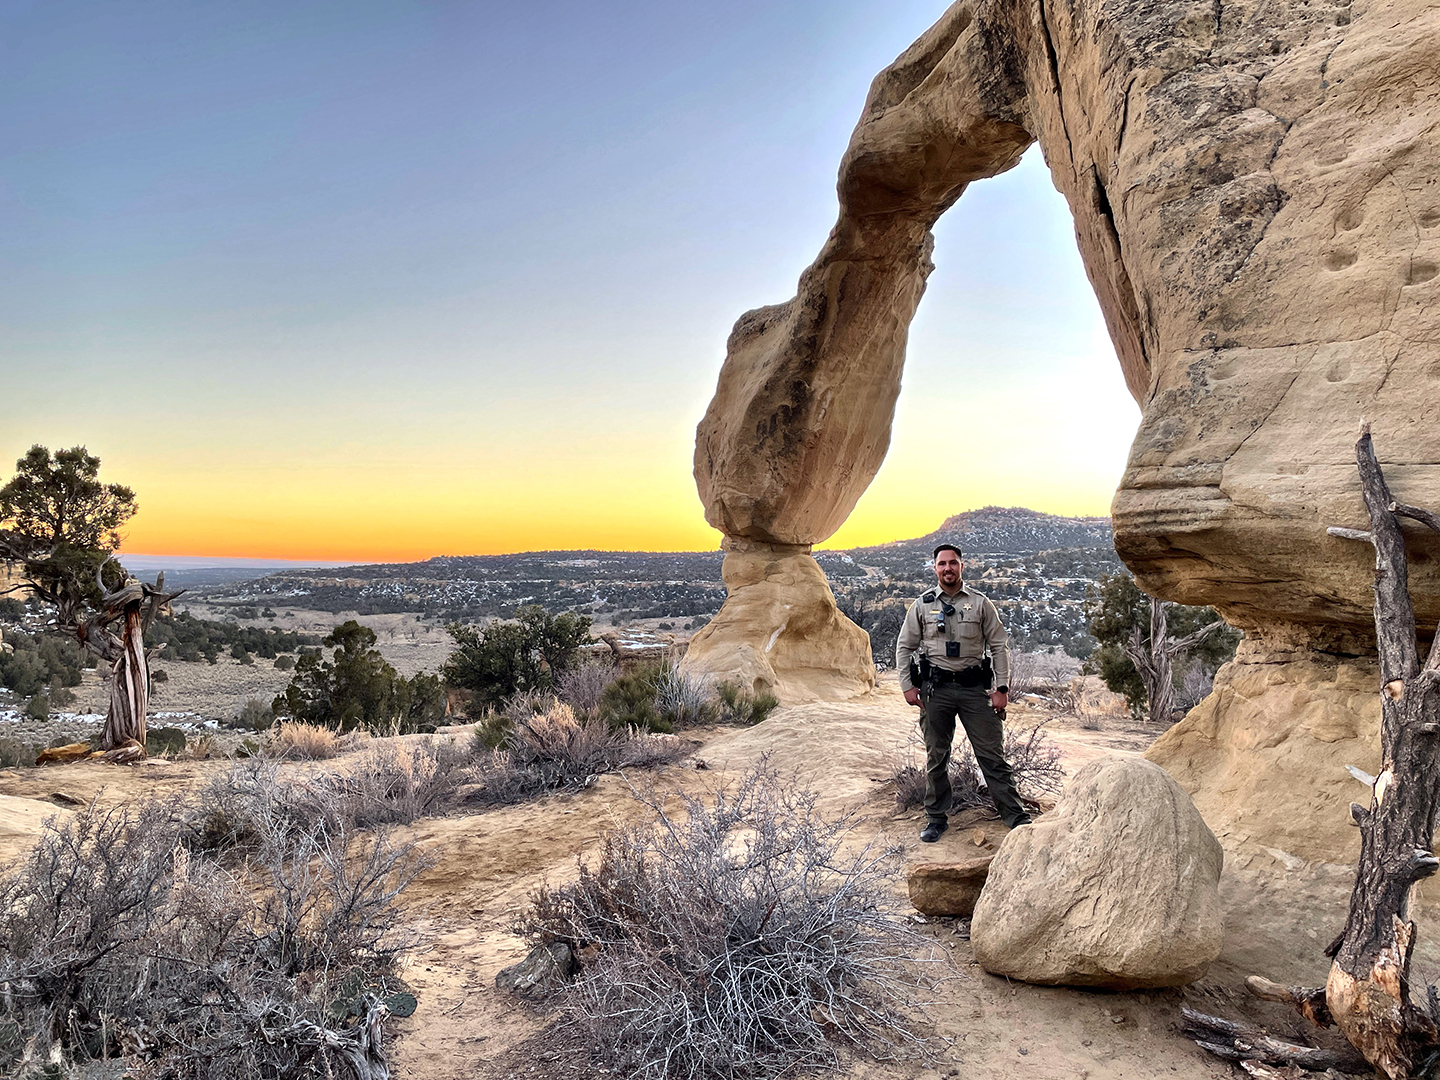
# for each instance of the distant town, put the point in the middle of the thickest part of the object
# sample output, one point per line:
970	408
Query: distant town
1035	566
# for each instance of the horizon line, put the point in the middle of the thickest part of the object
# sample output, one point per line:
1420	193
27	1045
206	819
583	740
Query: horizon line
203	562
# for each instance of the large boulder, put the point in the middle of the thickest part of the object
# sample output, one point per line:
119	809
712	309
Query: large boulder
1117	887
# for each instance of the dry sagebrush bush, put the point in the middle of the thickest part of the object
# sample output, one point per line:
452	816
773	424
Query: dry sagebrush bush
397	784
555	751
1034	763
582	687
734	939
388	785
116	942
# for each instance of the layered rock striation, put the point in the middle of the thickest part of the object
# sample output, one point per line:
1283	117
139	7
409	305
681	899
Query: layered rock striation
1256	204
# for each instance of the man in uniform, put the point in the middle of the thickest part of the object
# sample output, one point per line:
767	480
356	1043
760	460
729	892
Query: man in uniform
948	630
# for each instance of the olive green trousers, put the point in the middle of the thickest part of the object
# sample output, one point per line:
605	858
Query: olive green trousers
943	703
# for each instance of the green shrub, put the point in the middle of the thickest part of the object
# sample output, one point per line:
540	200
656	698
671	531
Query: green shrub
502	659
15	753
37	661
190	639
38	707
629	701
285	663
358	688
164	742
159	675
491	731
739	706
61	697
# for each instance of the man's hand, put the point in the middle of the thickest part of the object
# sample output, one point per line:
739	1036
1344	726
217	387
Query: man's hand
999	700
912	697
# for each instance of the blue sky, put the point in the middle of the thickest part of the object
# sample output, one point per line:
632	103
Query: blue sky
395	279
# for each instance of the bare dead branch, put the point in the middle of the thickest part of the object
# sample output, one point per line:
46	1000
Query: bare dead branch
1415	513
1240	1041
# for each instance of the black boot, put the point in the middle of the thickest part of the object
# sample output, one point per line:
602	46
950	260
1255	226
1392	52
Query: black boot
933	828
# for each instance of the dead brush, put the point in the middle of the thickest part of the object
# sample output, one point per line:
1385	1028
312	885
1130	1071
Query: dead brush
1034	763
555	751
583	687
120	943
397	784
731	937
388	785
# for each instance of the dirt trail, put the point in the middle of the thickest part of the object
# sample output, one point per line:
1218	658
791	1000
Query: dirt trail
1280	911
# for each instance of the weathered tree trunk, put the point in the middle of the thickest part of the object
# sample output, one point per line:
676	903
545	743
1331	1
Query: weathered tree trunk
1367	995
129	684
134	606
1368	991
1155	659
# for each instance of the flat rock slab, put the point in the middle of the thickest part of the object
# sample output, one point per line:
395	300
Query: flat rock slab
1117	887
948	888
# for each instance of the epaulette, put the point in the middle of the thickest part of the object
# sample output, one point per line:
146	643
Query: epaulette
929	597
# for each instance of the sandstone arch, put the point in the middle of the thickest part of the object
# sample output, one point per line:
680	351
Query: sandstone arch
1255	193
1254	197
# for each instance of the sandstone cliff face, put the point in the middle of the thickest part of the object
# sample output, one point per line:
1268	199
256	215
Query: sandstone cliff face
1256	203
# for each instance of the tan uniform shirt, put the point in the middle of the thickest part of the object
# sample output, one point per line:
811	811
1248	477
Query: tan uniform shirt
975	625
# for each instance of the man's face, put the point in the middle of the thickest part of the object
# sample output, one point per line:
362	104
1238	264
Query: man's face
947	569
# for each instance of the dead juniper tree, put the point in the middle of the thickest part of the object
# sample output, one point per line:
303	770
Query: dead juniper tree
1154	657
1367	995
61	525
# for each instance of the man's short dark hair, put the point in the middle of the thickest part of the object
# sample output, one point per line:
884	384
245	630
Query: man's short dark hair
946	547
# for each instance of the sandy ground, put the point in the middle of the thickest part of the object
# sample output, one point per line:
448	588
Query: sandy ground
1280	911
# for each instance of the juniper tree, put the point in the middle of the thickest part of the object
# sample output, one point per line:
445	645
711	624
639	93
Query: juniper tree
61	525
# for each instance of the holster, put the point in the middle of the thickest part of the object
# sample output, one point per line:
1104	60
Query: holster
919	672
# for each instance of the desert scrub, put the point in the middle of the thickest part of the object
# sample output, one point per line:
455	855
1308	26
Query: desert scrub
1034	763
583	687
290	739
558	751
389	784
684	699
739	706
630	701
730	937
117	940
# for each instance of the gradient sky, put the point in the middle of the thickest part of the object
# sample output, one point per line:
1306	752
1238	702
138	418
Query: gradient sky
372	280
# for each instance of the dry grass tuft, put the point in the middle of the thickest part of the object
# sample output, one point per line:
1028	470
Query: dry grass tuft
294	741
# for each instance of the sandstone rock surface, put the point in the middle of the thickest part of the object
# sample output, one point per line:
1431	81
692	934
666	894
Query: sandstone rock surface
1116	887
1264	755
947	888
1256	194
780	631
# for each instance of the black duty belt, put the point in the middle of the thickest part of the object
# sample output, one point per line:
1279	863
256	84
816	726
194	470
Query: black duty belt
974	675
